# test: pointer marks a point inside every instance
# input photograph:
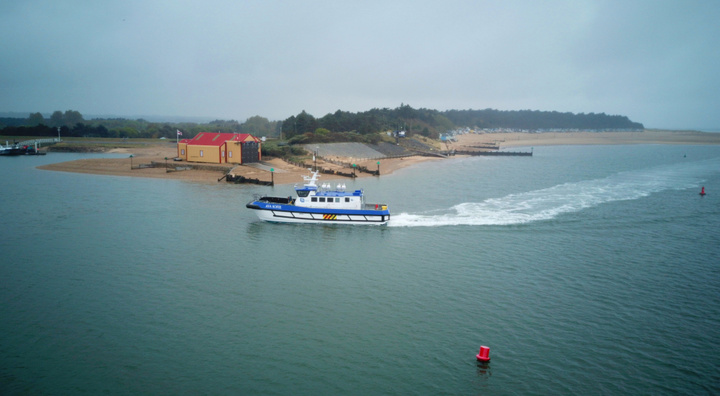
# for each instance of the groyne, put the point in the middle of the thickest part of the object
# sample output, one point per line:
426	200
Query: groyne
496	153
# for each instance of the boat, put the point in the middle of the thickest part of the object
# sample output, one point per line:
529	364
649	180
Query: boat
15	150
320	205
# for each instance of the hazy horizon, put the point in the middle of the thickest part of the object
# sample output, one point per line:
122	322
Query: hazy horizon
655	62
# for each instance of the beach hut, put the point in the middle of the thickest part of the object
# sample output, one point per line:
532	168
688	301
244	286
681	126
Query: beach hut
220	148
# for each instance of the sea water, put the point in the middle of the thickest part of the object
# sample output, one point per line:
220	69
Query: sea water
585	269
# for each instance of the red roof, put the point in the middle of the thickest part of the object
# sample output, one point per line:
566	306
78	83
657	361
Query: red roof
217	138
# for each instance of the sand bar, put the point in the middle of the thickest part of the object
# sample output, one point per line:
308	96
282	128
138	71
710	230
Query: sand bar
649	136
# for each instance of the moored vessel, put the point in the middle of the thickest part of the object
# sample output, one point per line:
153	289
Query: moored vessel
16	150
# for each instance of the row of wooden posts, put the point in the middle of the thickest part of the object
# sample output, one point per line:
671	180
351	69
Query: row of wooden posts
355	168
241	179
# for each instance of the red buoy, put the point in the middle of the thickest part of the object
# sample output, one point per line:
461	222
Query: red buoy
702	192
484	355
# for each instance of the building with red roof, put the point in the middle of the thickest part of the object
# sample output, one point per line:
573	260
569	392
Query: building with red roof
220	148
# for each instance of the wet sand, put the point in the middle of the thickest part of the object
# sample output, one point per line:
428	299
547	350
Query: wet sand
285	173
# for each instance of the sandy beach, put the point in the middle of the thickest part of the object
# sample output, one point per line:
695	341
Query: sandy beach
649	136
285	173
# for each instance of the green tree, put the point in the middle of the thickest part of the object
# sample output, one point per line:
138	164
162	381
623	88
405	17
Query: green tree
288	127
72	117
56	119
305	123
257	126
68	119
36	119
299	125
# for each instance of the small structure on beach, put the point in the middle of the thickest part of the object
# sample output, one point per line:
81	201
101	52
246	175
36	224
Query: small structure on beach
220	148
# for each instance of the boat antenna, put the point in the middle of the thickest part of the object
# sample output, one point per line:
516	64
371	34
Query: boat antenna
311	180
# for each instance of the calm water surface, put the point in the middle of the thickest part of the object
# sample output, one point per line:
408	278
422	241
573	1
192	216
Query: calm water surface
584	269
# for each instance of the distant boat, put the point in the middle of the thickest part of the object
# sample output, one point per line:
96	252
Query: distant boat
9	150
320	205
14	150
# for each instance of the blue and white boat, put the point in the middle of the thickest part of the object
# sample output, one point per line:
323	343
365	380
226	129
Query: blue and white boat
321	205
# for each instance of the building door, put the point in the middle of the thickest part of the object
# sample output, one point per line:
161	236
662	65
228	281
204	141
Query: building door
250	152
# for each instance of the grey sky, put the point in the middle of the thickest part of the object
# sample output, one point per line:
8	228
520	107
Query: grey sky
658	62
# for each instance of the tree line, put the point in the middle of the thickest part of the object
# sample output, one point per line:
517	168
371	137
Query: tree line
538	120
72	124
431	123
305	128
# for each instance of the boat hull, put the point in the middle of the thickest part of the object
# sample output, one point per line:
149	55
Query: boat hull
295	214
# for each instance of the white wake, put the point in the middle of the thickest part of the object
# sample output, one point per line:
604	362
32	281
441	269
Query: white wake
551	202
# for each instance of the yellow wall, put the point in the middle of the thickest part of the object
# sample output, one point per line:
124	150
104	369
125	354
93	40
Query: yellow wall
182	150
210	154
234	153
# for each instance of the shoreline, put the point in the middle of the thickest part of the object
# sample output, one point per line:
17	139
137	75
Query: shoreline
289	174
648	136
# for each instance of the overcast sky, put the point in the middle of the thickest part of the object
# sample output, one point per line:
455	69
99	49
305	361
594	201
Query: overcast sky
656	61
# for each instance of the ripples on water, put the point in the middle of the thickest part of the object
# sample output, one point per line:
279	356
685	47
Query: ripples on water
584	273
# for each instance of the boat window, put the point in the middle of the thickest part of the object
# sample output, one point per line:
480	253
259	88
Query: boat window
313	199
337	199
347	199
322	199
304	193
